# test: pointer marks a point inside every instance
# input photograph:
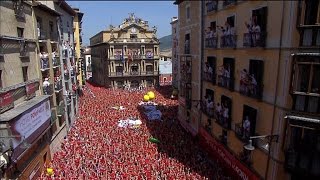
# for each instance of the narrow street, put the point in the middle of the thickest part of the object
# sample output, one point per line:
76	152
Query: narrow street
97	148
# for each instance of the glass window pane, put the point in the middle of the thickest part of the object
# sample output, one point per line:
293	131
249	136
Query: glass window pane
313	104
302	78
315	87
299	104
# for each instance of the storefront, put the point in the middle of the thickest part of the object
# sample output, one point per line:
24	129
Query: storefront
216	151
28	128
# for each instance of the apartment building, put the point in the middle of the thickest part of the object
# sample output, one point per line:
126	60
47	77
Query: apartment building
174	52
127	55
259	92
26	113
67	103
77	25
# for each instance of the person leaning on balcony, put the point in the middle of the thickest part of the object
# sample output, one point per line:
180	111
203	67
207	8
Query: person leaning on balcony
254	29
218	111
254	84
225	114
45	85
244	80
210	72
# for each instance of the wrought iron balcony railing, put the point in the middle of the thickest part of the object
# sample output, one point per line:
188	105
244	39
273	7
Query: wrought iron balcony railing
228	41
211	42
250	90
209	77
135	73
206	110
254	39
241	133
149	72
211	6
225	82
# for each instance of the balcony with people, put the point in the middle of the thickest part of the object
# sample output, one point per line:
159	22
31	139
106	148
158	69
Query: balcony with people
228	38
211	39
47	87
211	5
66	72
251	81
246	128
209	72
256	29
119	55
58	84
226	74
44	61
222	112
119	71
134	70
207	104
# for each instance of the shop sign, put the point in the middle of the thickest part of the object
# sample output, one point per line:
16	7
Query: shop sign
230	162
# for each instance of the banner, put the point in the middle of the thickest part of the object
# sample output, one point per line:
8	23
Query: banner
217	151
6	101
30	122
31	89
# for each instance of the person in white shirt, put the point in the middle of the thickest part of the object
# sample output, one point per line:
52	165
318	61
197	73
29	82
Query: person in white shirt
210	107
246	128
46	86
225	115
254	84
227	75
218	111
244	80
210	72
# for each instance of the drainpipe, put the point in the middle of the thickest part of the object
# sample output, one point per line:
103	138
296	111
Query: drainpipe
201	53
276	90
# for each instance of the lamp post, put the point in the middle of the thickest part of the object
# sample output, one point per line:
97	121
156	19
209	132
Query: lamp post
270	139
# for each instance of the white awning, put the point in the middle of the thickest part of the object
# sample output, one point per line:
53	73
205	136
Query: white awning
305	54
299	118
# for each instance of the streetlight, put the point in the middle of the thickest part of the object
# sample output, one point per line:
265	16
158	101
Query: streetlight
270	138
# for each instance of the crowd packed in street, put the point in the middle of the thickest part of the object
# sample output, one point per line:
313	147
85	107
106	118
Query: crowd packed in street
97	148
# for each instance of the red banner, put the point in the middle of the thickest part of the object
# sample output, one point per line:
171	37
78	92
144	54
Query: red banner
31	89
6	100
230	163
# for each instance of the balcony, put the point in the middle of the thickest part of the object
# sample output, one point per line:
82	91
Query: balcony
66	75
44	63
211	42
48	90
211	6
250	90
134	73
61	109
228	41
149	72
310	36
225	82
209	77
229	2
206	110
58	85
42	35
240	133
119	73
54	36
24	50
56	61
254	39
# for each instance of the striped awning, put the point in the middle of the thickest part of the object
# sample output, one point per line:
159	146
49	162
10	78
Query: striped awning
300	118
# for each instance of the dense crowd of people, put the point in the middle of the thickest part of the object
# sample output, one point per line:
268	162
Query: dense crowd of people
96	148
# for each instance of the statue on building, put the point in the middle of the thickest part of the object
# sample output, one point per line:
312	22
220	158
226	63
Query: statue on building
154	28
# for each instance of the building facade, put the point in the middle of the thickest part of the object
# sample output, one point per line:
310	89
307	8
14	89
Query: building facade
127	55
174	52
77	27
33	104
26	110
259	93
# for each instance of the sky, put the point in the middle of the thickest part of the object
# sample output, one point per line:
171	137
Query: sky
98	15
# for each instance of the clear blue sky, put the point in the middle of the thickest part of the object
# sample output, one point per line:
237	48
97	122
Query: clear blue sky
99	14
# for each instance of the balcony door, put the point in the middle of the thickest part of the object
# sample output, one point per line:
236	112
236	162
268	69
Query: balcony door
248	122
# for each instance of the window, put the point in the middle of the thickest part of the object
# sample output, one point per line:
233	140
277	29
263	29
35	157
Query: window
156	50
311	12
133	36
231	21
188	13
142	50
187	43
20	32
305	73
260	17
25	73
51	26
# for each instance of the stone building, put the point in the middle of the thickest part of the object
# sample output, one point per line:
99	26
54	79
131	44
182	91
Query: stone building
174	52
127	55
259	98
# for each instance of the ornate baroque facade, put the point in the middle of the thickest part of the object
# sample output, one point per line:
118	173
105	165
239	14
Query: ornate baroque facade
127	55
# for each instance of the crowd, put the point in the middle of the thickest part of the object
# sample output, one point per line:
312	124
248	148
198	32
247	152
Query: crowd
97	148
